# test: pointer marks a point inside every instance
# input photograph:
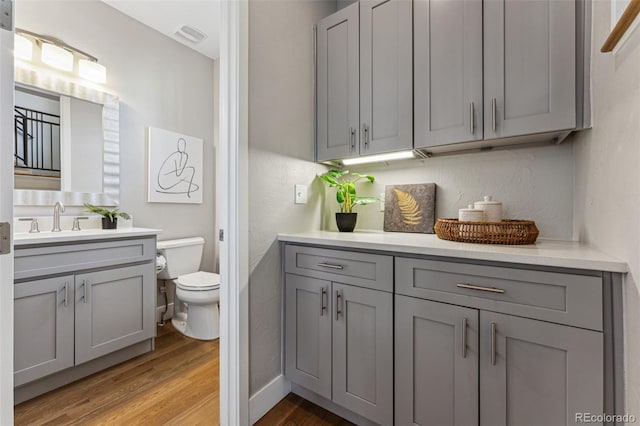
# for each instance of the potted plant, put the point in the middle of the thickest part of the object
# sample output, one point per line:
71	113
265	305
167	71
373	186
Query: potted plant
347	197
109	217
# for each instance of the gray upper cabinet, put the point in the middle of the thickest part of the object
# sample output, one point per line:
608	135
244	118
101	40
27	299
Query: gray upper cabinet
537	373
529	67
447	72
43	321
363	352
129	291
436	363
308	333
365	80
386	83
338	55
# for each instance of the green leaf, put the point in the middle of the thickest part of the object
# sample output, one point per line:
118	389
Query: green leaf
366	200
340	197
331	181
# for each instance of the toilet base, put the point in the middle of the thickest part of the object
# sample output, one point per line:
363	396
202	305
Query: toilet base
206	321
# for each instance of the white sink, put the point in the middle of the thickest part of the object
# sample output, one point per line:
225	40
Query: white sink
48	237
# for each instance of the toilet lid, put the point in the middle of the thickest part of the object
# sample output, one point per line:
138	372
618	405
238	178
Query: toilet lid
199	281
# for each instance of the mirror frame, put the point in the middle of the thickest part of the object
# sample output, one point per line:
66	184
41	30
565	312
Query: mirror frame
110	195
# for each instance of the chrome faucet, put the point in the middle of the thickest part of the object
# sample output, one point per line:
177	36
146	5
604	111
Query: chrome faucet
59	207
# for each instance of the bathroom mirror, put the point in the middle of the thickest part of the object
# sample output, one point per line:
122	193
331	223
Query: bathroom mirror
81	142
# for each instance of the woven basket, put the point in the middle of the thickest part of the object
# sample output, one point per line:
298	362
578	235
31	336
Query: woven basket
510	232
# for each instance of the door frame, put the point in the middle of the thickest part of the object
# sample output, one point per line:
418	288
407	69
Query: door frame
232	169
6	215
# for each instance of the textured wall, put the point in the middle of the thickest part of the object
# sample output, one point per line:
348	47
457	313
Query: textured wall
280	155
532	183
160	83
607	196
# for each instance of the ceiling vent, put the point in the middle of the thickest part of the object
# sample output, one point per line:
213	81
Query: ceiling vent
191	34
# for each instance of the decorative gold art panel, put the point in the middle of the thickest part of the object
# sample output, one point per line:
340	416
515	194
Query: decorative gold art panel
410	208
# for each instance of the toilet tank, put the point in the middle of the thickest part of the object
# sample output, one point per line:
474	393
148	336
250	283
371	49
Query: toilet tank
183	256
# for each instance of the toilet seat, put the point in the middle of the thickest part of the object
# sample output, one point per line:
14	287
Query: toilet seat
198	281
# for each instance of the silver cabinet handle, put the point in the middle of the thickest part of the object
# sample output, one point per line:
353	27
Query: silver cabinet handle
493	114
480	288
493	343
66	293
365	132
464	337
323	305
472	118
338	304
330	265
85	299
352	139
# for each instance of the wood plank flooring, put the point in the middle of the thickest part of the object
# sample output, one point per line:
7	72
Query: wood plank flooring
176	385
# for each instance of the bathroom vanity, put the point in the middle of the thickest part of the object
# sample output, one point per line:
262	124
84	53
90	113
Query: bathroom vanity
83	301
385	328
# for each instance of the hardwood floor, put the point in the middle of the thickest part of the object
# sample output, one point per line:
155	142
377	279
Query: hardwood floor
295	410
177	384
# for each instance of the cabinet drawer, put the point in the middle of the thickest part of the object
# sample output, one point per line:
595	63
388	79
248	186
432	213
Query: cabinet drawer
361	269
50	260
562	298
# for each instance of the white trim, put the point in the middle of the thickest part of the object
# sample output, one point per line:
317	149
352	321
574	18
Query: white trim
160	310
267	398
233	199
6	215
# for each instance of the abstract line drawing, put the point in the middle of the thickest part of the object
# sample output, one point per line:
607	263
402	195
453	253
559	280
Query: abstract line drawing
175	167
176	175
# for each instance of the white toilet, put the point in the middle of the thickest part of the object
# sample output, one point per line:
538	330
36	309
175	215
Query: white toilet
196	310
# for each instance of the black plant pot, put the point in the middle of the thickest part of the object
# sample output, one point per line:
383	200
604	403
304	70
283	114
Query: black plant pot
346	221
109	224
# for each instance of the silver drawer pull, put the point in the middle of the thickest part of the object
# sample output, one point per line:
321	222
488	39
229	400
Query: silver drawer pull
330	265
323	306
480	288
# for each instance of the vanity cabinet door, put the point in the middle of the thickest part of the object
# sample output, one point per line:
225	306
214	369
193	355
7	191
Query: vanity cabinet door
308	333
363	351
436	359
114	309
43	328
538	373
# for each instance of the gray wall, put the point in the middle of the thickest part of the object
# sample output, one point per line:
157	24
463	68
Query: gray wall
607	196
532	183
160	83
280	155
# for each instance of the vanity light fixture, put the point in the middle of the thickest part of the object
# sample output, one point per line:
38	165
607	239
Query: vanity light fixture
57	54
402	155
22	48
56	57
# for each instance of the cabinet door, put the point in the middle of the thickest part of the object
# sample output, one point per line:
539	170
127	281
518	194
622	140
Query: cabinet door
337	89
386	82
308	333
447	72
529	67
43	328
541	373
436	357
115	308
363	351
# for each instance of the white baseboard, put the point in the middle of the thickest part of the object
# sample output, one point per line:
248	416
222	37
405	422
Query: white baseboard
267	398
160	309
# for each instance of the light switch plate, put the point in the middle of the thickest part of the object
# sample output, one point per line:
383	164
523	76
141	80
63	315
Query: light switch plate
300	194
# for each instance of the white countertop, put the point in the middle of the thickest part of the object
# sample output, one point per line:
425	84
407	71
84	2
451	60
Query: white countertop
564	254
22	239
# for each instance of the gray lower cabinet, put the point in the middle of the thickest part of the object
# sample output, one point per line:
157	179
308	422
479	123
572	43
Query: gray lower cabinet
339	344
113	310
75	302
436	363
537	373
43	321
